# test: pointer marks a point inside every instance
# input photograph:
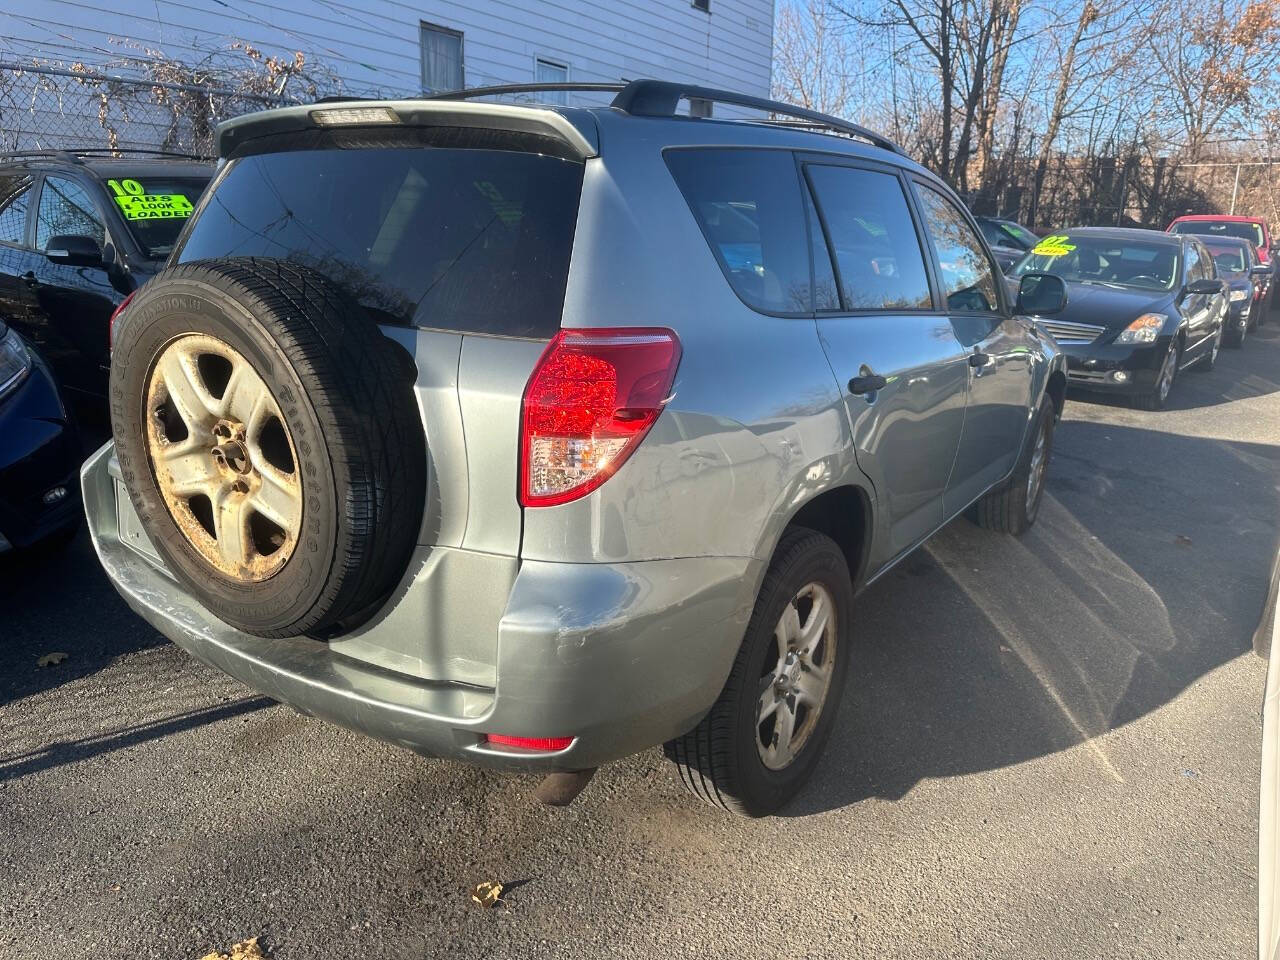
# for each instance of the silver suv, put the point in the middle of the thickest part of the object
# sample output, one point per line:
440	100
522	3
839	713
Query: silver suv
538	436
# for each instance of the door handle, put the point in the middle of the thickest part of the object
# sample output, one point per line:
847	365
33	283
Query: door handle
867	383
979	360
30	279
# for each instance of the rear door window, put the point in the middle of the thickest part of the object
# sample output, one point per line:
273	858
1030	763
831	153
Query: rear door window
473	240
750	208
873	238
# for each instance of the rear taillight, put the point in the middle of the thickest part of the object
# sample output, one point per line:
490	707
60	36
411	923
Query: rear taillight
115	315
529	743
590	400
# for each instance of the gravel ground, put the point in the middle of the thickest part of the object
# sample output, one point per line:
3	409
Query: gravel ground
1048	747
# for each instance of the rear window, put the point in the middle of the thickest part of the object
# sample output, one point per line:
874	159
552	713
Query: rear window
749	206
474	240
156	209
1223	228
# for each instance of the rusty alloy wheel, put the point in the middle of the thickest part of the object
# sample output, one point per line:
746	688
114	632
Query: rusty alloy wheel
224	462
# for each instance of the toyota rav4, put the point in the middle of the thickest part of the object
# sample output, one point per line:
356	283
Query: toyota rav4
537	436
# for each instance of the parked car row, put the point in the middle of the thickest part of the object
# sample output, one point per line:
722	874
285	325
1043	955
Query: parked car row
569	432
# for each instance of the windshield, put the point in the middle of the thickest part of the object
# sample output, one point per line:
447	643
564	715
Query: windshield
476	240
156	209
1105	261
1223	228
1020	233
1229	258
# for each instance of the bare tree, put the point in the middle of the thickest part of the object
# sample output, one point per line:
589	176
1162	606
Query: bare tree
813	58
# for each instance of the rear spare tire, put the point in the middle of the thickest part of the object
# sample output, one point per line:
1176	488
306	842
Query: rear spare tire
269	437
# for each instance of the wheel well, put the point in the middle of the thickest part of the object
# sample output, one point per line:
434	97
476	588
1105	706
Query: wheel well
844	515
1056	388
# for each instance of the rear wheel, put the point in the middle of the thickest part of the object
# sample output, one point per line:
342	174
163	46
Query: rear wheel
764	735
1158	395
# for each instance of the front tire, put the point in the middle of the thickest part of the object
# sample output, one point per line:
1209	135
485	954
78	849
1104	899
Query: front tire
764	735
1158	395
1210	359
1014	505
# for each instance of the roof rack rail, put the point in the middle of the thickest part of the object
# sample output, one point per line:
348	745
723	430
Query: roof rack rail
508	88
659	98
79	155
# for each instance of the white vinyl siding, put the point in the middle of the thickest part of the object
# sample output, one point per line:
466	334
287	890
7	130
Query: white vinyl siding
377	46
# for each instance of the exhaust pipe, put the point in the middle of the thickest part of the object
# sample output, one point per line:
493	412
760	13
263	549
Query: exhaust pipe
560	789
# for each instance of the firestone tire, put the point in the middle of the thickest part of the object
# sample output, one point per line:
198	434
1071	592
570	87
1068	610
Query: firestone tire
338	444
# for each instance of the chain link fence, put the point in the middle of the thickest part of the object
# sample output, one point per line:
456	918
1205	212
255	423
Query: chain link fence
72	108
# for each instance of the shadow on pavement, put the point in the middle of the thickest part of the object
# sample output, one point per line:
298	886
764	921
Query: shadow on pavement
1146	569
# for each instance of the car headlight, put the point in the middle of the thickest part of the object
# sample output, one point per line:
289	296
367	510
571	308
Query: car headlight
15	362
1143	330
1238	295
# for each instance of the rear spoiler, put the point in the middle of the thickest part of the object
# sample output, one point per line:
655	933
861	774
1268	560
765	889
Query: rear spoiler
576	128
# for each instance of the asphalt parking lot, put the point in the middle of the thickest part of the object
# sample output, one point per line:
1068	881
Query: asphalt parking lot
1048	747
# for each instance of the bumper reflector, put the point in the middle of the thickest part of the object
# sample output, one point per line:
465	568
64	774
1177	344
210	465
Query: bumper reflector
529	743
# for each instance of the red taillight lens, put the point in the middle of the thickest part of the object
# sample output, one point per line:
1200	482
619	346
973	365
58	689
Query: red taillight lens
529	743
111	324
590	400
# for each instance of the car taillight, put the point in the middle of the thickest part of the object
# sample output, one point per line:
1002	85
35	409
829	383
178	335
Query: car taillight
590	401
111	324
529	743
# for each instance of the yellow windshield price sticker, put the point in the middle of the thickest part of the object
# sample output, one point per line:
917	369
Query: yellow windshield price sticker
136	204
1053	246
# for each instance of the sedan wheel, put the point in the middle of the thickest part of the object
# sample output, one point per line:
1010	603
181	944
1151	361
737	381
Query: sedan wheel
1156	398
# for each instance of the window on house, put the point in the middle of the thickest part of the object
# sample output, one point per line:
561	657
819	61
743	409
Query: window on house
548	71
441	58
703	5
699	107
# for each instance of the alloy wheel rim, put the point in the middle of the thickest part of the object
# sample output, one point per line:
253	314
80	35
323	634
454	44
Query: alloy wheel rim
223	458
796	677
1035	479
1166	374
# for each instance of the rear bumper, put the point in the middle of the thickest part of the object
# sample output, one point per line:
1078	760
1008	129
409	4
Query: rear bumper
620	656
39	452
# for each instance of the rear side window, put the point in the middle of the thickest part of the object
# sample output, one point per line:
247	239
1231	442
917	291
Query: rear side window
873	239
750	208
15	191
474	240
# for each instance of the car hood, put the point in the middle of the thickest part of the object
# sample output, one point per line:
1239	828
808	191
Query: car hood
1111	307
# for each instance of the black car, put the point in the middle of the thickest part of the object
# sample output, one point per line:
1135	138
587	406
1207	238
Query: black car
1142	305
1248	281
1009	241
39	452
78	234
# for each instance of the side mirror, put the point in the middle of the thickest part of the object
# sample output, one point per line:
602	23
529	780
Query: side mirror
1041	295
74	251
1260	270
1204	286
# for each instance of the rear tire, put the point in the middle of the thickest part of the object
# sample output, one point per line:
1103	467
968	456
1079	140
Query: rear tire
269	437
1013	506
725	759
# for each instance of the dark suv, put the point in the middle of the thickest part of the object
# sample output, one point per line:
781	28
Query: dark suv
78	234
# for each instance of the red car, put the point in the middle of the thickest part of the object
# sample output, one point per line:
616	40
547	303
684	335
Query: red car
1253	229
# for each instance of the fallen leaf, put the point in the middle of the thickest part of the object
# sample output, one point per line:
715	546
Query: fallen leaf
1182	540
487	894
51	659
244	950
